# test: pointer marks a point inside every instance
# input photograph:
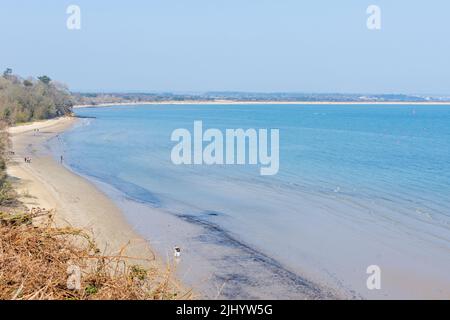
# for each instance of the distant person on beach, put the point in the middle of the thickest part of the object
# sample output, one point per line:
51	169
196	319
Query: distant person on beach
62	159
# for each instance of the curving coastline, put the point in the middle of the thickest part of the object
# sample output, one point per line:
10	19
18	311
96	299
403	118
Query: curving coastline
46	183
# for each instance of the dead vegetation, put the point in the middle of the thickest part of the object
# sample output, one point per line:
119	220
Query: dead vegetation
39	261
8	197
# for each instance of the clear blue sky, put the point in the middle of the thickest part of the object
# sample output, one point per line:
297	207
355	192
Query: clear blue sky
243	45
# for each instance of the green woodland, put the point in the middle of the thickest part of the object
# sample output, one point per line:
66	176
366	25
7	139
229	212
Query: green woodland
24	100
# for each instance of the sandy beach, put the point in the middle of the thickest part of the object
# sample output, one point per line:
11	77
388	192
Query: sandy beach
46	183
226	264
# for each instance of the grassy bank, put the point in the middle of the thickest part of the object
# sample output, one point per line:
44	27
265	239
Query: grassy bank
7	194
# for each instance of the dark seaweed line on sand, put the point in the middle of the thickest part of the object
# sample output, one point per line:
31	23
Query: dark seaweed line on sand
307	287
136	193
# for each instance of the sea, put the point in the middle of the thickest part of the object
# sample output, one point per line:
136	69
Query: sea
359	209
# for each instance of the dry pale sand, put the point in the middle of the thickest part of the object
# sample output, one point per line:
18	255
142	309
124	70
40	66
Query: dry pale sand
46	183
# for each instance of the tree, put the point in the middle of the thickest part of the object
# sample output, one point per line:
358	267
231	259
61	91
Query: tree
45	79
7	73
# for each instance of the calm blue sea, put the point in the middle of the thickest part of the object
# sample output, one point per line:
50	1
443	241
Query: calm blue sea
357	185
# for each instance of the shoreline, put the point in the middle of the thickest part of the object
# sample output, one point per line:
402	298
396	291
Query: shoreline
111	222
236	102
225	242
48	184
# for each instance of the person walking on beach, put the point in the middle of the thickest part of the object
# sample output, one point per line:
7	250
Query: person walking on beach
62	159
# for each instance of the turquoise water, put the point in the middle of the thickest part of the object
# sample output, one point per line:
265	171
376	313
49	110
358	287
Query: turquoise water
354	177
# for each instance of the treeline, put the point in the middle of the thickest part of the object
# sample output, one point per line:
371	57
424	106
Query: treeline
136	97
24	100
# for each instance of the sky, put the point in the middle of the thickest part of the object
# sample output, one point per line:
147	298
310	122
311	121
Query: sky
231	45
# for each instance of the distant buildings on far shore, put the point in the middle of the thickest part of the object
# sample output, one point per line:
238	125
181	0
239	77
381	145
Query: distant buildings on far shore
112	97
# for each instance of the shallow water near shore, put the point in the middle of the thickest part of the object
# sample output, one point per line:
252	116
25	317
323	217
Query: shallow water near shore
357	186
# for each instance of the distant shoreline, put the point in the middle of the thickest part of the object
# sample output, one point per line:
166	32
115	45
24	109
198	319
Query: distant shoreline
239	102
